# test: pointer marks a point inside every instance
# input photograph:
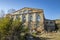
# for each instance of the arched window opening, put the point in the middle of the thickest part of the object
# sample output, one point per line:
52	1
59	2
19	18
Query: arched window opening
24	19
17	17
30	18
38	18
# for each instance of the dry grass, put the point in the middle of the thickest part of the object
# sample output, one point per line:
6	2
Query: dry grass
51	36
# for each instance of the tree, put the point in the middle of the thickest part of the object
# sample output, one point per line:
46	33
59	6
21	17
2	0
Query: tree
11	10
4	27
2	13
12	30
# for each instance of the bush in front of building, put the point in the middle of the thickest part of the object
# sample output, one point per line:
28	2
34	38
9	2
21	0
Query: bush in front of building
12	30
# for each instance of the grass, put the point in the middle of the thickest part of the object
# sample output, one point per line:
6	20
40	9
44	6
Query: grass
51	36
47	36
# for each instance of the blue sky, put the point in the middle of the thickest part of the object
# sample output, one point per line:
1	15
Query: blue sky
51	7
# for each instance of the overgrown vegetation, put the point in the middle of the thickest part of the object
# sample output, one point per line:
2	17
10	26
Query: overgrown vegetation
12	30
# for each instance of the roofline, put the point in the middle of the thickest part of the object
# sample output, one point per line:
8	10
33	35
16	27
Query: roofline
26	7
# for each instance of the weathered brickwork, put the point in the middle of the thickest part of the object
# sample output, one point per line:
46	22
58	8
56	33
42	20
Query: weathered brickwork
31	17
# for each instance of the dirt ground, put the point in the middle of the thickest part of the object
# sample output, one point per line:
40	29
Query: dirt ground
50	36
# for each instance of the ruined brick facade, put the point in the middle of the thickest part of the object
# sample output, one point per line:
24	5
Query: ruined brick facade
31	17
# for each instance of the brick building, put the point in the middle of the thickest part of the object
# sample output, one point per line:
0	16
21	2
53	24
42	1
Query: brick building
33	18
